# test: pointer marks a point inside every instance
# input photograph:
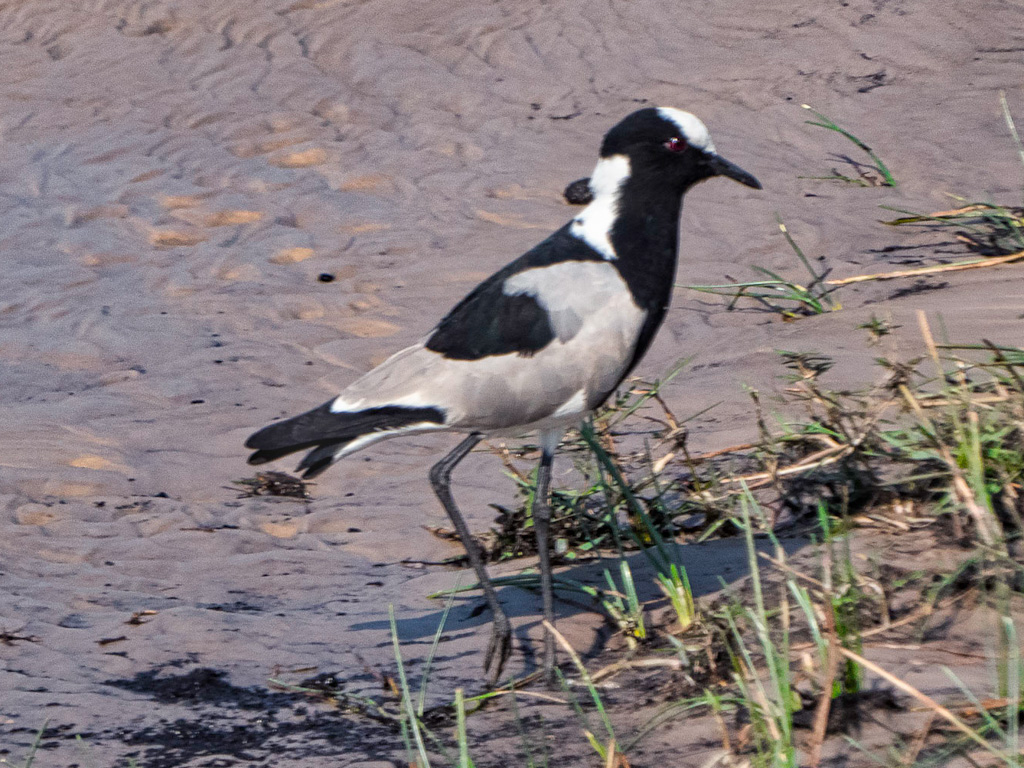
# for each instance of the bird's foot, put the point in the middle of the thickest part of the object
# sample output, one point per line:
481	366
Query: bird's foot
499	647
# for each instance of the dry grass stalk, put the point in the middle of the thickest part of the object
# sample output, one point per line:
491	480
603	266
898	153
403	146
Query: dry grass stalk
700	457
938	401
957	211
921	613
983	521
929	342
517	690
924	698
505	455
814	461
784	567
828	677
987	705
560	638
615	758
919	271
922	736
621	666
866	520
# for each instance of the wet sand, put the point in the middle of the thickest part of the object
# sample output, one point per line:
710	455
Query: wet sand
174	177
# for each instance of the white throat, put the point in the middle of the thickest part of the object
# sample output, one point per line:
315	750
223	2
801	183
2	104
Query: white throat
594	223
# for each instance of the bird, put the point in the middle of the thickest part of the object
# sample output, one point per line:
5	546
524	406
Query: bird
538	345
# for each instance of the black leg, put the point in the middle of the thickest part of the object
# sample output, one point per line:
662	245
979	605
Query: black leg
541	525
501	631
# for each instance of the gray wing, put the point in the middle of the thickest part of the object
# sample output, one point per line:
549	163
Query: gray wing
596	325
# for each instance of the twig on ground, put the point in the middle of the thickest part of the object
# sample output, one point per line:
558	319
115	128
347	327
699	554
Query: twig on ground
922	736
506	459
922	613
814	461
519	692
821	712
924	698
723	451
917	272
619	666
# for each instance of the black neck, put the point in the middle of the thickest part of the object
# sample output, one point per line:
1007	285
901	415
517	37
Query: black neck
646	240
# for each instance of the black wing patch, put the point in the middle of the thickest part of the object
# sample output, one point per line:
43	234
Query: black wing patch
490	322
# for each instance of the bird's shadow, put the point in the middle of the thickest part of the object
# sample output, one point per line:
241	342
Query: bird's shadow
709	566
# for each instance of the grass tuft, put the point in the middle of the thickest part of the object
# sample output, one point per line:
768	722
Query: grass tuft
778	294
876	175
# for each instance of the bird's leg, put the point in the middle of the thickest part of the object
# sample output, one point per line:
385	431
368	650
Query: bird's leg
501	630
541	526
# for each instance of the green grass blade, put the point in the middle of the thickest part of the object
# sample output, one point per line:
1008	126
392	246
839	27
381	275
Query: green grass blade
828	124
587	681
662	559
433	648
30	758
407	705
460	730
797	249
1013	671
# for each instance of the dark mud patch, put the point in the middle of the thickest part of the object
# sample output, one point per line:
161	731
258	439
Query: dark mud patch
230	725
202	686
226	741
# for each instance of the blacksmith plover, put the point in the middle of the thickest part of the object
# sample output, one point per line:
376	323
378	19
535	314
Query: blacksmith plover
539	344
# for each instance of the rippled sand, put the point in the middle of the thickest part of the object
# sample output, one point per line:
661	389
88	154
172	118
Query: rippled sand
174	177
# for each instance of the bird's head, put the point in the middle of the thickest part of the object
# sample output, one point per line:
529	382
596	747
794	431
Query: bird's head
669	147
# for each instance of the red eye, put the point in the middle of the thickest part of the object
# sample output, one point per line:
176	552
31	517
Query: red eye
675	144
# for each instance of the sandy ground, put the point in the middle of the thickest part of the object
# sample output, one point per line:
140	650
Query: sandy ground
174	176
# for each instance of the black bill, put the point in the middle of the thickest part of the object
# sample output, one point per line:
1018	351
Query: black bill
723	167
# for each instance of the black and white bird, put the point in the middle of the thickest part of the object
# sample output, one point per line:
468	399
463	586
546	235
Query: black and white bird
539	344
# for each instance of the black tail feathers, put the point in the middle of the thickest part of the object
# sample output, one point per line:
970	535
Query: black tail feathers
327	432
